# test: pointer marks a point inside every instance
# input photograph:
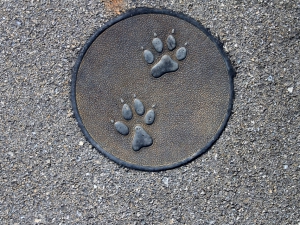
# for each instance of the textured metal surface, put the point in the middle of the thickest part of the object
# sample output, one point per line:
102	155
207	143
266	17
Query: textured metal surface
191	104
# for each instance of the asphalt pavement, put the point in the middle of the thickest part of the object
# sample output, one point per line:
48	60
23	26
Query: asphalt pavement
51	175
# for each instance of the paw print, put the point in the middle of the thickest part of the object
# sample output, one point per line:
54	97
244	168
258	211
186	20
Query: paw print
141	137
166	63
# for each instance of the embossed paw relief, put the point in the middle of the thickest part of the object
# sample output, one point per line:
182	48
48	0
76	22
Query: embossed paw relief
152	89
141	137
166	63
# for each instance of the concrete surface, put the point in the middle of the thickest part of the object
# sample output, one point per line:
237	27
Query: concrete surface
51	175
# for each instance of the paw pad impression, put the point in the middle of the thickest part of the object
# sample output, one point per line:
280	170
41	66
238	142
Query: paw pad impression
141	137
166	63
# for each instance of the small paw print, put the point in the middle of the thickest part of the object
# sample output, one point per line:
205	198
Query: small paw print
166	63
141	137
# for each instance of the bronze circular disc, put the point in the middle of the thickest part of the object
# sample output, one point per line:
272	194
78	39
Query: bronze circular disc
152	89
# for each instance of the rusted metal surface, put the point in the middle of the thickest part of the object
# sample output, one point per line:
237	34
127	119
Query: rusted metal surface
191	104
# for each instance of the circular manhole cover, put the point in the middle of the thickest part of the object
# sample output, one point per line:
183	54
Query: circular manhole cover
152	89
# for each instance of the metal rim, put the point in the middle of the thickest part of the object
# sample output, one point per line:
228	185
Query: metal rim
126	15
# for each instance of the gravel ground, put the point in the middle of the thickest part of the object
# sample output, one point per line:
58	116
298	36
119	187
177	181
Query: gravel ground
51	175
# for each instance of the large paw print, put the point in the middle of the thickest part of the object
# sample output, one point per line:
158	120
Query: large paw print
166	63
141	137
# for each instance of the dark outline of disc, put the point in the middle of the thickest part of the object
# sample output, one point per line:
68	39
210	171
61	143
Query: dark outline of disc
128	14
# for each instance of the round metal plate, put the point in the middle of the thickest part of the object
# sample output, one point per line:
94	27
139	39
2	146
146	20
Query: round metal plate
152	89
